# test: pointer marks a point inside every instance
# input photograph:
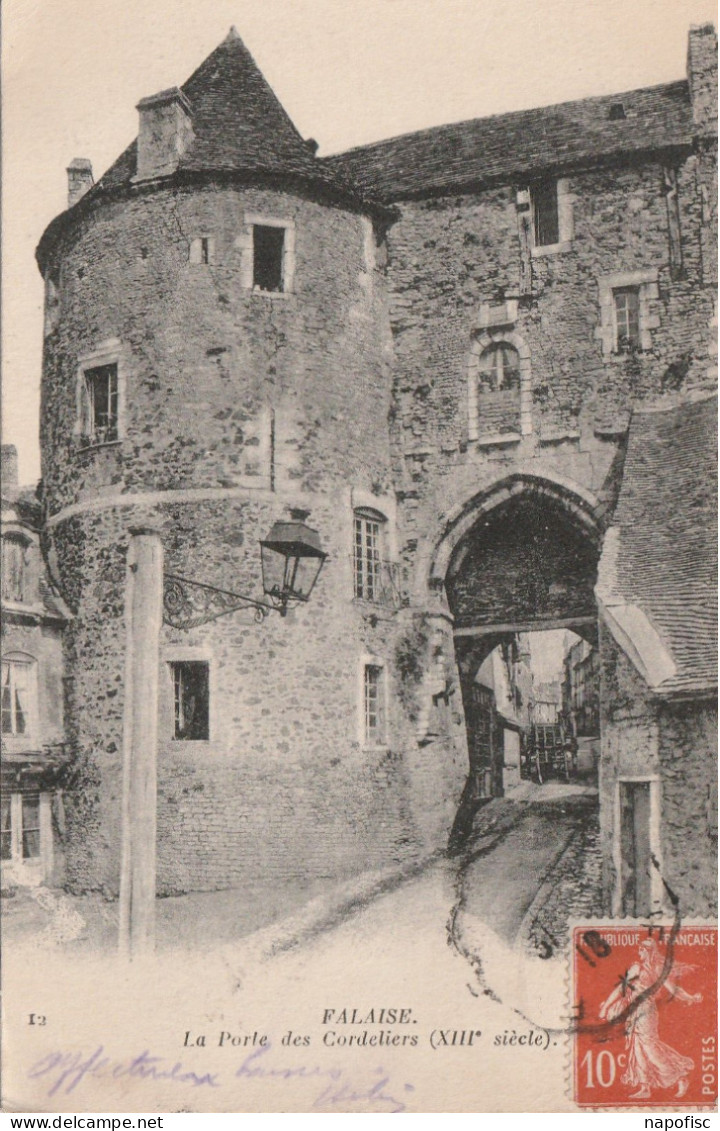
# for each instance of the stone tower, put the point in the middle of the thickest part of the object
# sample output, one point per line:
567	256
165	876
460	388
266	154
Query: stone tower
217	353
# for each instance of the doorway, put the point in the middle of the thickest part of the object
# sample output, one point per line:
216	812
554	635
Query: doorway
635	848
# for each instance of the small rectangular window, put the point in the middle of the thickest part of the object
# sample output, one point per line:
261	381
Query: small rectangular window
30	826
13	568
5	828
202	250
191	700
546	220
101	407
627	318
374	693
268	249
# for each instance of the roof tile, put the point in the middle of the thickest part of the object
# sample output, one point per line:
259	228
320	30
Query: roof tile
505	146
667	519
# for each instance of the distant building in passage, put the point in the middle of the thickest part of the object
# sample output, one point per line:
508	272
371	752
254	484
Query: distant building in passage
581	689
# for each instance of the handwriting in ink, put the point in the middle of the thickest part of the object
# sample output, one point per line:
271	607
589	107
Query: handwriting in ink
66	1070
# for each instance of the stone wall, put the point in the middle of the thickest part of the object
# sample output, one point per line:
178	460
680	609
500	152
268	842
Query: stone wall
449	256
238	405
688	764
292	389
675	744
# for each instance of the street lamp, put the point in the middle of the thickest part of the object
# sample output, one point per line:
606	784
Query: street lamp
291	560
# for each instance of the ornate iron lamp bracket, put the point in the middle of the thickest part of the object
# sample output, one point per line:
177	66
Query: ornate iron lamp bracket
187	604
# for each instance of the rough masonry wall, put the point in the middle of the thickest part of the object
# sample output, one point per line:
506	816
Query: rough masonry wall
676	743
688	762
447	256
629	743
262	402
198	345
284	787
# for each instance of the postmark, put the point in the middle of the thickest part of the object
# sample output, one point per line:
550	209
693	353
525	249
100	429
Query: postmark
645	1005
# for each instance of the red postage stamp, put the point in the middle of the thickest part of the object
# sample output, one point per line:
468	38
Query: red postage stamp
645	1013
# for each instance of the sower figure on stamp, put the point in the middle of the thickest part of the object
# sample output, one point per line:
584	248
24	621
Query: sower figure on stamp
651	1063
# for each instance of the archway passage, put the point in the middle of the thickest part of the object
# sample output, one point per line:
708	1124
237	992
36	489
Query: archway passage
526	565
529	561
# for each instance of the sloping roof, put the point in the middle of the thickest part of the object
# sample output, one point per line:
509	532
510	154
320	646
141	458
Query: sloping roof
665	556
238	123
240	128
507	146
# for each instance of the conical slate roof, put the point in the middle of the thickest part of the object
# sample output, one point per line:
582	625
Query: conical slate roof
240	131
238	123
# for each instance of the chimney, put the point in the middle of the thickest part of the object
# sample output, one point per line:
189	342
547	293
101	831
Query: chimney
80	179
165	133
9	466
702	77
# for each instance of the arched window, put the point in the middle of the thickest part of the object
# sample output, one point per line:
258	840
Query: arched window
498	375
499	368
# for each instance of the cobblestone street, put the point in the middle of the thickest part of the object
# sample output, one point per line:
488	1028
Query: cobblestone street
532	865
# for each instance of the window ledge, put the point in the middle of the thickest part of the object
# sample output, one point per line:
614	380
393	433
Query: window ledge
558	436
10	606
615	357
551	249
610	431
98	446
496	440
259	293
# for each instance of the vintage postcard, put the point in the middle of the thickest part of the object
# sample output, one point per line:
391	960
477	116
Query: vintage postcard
359	655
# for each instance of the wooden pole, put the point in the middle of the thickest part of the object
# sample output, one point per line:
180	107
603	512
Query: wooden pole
143	621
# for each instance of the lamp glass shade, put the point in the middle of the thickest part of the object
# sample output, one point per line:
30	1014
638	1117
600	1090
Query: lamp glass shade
291	561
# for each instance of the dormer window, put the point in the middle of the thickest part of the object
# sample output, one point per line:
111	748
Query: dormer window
616	113
14	580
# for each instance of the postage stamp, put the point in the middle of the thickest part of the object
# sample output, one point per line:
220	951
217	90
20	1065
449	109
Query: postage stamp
645	1005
